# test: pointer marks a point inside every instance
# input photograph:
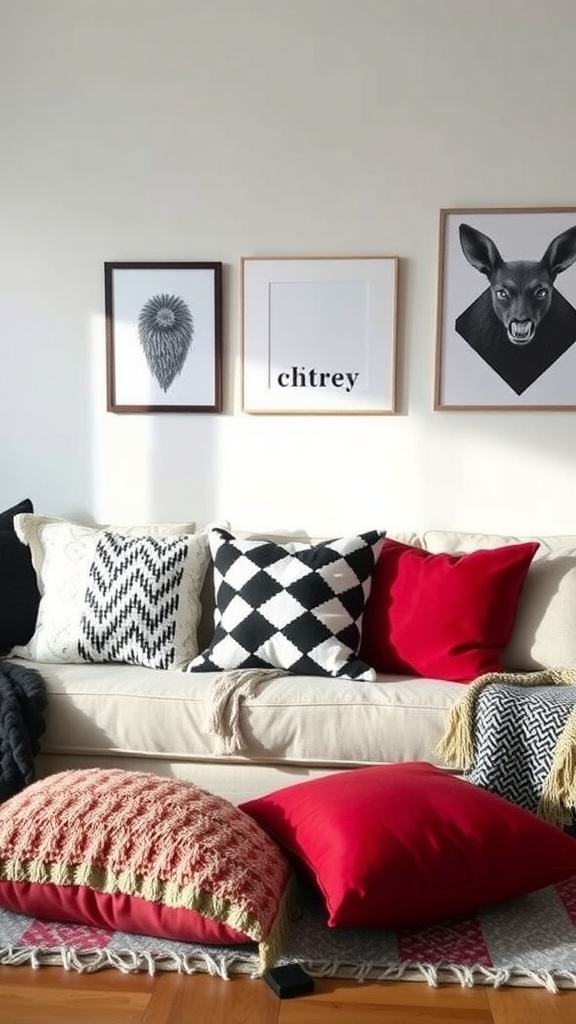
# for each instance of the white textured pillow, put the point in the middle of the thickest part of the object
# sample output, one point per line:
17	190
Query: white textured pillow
544	634
69	558
38	533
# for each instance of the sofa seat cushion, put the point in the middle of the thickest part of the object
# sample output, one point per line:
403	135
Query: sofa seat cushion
543	635
311	720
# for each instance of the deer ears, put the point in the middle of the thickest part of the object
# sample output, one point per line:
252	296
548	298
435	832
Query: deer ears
561	253
479	250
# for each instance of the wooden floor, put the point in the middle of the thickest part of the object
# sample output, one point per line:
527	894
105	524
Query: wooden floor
50	995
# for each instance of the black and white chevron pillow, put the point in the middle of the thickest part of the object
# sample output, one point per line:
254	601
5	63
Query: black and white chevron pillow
142	602
292	606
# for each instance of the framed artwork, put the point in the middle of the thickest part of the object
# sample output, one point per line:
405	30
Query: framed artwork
319	334
506	335
163	337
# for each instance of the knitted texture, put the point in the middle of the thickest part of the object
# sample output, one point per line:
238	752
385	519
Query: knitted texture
162	840
22	703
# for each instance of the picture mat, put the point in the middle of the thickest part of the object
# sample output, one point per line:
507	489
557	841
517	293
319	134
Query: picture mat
334	316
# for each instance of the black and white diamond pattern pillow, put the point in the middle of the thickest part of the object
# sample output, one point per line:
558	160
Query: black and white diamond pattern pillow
292	606
142	601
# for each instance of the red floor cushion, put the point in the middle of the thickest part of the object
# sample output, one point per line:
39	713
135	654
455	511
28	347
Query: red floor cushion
136	852
409	844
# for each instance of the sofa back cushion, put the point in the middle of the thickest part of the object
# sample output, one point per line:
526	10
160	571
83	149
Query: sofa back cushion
544	634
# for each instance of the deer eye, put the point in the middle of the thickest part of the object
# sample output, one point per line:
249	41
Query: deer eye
541	293
501	294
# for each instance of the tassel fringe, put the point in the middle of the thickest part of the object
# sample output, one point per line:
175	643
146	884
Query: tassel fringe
223	702
456	747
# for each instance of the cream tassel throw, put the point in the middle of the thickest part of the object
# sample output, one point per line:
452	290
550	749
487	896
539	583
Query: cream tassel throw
456	747
223	701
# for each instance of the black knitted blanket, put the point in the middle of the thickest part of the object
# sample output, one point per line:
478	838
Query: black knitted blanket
23	699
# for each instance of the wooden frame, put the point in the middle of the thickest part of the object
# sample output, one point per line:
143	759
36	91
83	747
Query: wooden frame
506	328
319	335
163	337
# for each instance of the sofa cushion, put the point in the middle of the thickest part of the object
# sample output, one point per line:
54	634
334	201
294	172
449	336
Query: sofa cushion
133	852
543	635
144	586
317	722
406	845
290	606
443	615
19	595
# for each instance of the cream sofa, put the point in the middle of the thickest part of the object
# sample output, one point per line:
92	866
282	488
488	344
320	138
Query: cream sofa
292	727
295	728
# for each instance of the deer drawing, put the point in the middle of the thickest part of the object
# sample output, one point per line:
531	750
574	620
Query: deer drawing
521	323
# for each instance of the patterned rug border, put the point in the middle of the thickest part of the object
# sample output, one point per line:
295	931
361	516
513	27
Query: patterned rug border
226	966
527	942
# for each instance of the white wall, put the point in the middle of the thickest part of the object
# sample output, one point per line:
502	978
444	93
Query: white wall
213	129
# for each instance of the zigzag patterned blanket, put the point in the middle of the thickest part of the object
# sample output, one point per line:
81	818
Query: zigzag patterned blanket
23	699
515	735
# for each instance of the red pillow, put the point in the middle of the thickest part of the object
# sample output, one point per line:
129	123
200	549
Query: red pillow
442	615
408	844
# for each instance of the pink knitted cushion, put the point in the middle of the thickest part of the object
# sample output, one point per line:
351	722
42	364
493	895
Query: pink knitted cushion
135	852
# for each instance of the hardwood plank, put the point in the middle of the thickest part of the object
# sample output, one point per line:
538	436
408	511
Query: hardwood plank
61	997
59	1003
401	992
532	1006
241	1000
387	1003
380	1013
166	1002
56	996
106	980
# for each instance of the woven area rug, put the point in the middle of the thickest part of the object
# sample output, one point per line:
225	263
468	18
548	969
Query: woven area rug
529	941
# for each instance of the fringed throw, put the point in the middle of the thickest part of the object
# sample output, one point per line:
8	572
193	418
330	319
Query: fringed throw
223	701
515	734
